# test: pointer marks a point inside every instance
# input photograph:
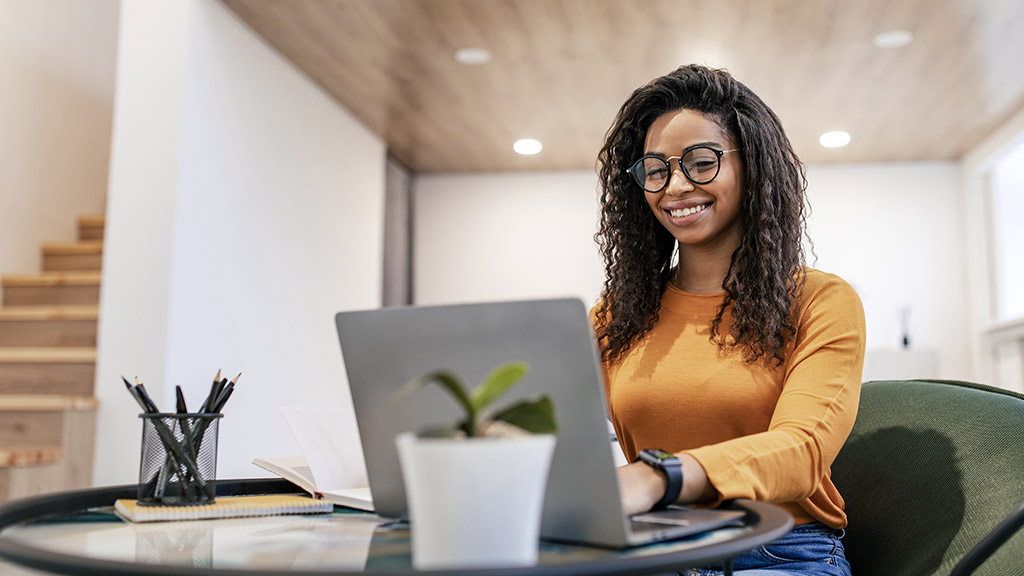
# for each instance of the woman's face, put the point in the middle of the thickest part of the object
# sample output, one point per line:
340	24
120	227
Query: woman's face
697	215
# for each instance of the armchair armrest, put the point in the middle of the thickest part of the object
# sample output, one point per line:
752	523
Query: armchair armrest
1002	532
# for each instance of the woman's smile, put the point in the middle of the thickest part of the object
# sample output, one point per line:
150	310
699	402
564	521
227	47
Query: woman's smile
683	215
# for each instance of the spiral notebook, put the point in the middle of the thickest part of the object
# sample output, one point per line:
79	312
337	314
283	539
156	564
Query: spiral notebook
224	507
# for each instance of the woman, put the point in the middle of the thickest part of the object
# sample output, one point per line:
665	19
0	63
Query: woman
719	346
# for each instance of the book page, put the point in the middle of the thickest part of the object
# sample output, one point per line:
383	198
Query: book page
292	468
359	498
330	442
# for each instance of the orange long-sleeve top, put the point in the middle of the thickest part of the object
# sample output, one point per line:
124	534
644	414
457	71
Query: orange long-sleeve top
760	432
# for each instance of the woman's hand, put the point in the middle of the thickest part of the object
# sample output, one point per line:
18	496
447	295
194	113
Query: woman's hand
641	486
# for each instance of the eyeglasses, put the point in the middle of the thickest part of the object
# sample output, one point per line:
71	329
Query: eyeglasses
699	164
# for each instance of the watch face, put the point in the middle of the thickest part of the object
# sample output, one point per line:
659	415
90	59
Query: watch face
656	457
661	454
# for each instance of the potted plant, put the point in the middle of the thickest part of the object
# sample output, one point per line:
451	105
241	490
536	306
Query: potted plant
475	488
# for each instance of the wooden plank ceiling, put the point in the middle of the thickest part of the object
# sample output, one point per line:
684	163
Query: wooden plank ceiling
561	68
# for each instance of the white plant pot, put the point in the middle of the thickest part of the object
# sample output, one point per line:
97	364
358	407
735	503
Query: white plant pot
474	502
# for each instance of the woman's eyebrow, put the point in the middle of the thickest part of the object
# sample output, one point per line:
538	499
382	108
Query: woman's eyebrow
709	143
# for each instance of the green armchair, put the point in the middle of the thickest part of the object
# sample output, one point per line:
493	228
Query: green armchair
933	478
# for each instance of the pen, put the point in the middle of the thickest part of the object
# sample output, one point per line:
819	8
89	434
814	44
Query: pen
145	408
180	404
182	409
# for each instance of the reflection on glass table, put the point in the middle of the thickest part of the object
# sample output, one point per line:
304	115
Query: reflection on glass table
78	533
339	541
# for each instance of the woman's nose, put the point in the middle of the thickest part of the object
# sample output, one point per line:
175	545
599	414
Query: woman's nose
678	183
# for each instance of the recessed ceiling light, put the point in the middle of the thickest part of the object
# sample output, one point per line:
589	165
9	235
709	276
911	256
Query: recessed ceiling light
894	39
527	146
472	56
834	139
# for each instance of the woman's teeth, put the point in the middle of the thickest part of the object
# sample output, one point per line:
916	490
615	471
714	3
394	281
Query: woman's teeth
687	211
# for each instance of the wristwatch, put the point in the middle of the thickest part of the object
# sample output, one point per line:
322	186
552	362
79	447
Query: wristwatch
671	467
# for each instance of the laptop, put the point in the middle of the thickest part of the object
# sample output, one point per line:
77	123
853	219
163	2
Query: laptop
385	348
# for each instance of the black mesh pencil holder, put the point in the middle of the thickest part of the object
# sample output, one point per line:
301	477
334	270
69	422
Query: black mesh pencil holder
179	459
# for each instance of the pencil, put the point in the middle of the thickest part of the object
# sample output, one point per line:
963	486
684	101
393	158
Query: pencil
141	389
212	396
135	395
222	398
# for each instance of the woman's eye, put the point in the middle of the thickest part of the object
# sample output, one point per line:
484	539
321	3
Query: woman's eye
702	165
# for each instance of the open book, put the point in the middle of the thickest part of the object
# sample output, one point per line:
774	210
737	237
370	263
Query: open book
331	466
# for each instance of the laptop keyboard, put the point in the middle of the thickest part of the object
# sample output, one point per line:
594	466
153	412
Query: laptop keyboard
642	527
668	516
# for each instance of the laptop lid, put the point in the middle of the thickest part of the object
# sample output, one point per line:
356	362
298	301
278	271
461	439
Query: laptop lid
385	348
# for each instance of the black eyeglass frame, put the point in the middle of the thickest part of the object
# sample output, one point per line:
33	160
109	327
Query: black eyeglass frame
641	179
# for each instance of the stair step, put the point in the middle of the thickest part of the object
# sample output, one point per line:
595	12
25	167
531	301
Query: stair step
28	421
47	444
27	428
73	256
47	403
29	456
48	326
61	371
91	227
28	471
52	289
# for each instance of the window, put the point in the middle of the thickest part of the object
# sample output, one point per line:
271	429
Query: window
1007	183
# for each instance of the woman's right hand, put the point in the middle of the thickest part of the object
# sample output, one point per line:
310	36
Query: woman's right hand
640	487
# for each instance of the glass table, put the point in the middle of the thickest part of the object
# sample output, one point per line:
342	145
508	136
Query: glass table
77	533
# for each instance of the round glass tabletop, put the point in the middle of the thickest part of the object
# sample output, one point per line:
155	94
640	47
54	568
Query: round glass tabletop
78	533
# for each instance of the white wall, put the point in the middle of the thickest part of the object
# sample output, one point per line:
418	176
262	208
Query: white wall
246	208
56	99
505	237
891	230
894	232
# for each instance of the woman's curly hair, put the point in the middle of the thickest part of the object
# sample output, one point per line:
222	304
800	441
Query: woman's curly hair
766	273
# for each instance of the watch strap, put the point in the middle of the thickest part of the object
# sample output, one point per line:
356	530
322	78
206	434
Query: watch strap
671	467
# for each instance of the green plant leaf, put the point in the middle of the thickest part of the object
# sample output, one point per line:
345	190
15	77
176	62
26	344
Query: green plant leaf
536	416
497	383
450	382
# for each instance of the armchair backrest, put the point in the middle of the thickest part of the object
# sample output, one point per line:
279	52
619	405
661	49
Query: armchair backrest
929	469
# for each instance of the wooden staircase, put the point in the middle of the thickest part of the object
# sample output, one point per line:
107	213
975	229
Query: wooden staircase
47	368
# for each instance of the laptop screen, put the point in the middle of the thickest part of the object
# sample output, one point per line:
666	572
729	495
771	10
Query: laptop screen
385	348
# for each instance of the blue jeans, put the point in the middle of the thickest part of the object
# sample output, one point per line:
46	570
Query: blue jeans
811	549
